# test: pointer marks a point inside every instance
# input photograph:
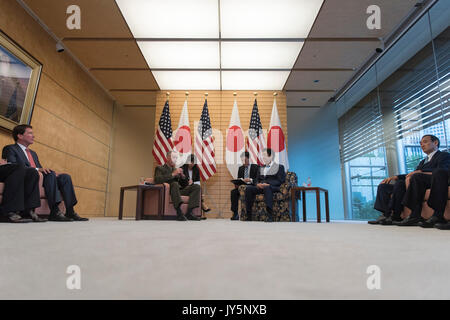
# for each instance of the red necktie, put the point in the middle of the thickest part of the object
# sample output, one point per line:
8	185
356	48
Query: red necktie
30	158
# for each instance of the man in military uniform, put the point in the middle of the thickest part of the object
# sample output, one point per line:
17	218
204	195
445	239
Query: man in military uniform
168	173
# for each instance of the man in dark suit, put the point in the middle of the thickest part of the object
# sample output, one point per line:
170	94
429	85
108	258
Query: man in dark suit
270	178
418	181
408	189
438	200
250	174
21	193
57	186
168	173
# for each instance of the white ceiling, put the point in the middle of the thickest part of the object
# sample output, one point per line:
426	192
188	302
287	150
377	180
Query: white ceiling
197	37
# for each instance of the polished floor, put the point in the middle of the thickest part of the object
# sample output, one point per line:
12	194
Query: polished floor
221	259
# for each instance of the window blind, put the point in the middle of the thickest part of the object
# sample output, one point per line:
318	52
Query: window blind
361	129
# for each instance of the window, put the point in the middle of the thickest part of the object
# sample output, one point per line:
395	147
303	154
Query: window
380	135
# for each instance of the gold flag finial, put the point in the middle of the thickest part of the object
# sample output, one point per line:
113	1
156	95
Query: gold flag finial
206	94
187	94
235	94
275	94
255	94
167	95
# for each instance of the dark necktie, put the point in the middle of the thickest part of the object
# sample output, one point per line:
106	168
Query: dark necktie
245	172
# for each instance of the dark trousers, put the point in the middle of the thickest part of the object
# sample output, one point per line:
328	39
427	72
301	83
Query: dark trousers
252	191
235	200
59	188
21	191
193	192
439	192
418	185
389	198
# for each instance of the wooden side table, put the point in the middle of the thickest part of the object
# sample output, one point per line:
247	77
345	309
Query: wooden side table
140	199
317	190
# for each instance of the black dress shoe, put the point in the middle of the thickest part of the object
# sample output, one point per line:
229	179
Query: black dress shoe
409	222
36	218
181	217
390	221
13	217
442	225
378	220
75	217
235	217
190	216
431	222
58	217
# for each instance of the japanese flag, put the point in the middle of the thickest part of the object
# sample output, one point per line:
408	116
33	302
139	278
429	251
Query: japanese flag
275	138
235	142
183	140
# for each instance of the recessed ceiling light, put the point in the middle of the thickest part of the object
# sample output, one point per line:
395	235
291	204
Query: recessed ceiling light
171	19
268	18
181	54
254	80
188	80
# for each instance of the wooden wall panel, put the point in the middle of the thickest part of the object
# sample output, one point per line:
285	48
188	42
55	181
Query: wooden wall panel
72	117
131	155
220	105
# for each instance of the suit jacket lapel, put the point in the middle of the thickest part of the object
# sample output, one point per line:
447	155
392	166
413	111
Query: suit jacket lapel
22	155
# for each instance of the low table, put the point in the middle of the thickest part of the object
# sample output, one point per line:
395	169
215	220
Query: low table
140	199
317	190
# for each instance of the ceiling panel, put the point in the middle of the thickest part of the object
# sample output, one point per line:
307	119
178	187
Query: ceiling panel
107	54
260	55
339	18
185	54
188	80
171	19
99	18
307	99
126	79
254	80
268	18
328	80
136	98
335	54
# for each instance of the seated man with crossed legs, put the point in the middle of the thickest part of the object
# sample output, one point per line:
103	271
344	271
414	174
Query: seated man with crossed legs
271	176
57	187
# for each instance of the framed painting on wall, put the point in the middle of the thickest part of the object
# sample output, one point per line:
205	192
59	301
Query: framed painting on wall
19	79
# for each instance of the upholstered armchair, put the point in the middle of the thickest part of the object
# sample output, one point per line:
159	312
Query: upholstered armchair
281	201
44	208
168	210
427	212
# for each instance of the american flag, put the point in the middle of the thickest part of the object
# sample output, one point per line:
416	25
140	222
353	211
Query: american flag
204	145
163	139
255	142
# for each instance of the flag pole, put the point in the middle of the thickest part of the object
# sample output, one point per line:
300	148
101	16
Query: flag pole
205	190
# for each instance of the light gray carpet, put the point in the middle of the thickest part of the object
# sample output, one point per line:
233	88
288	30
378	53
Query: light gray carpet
221	259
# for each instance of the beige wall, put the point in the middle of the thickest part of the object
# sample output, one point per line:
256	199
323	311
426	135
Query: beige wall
72	117
220	105
131	155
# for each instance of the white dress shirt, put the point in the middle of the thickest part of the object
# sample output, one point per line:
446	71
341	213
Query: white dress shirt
190	171
267	168
430	156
